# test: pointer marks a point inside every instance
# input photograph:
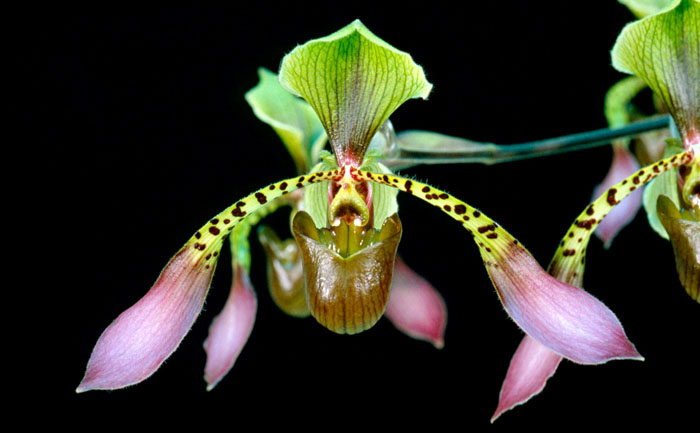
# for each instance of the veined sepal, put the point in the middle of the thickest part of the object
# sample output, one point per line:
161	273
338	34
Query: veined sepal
344	71
663	49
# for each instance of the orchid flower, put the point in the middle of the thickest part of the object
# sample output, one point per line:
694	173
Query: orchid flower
533	363
347	235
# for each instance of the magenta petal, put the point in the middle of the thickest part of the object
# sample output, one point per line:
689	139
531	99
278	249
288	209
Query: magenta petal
415	307
566	319
531	366
230	330
623	165
142	337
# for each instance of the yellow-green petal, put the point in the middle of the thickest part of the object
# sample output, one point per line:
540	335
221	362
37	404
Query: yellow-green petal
354	81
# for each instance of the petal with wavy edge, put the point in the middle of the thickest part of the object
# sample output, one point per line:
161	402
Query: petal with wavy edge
623	165
415	307
530	368
230	330
142	337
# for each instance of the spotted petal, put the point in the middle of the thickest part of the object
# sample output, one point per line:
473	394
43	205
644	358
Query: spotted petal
141	338
566	319
415	307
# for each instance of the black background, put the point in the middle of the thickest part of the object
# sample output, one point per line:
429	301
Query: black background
145	135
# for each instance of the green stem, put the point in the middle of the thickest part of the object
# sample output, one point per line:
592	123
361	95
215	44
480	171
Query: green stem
463	151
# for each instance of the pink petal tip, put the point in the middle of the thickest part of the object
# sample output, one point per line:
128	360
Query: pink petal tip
230	330
530	368
564	318
135	345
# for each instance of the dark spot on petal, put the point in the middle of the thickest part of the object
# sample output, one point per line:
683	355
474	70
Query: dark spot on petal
198	235
635	180
386	178
488	250
426	189
487	228
571	234
216	253
569	253
492	235
237	212
213	230
215	221
301	179
207	257
227	221
283	185
262	199
611	197
444	196
460	209
590	210
272	187
408	185
465	217
585	224
476	214
447	207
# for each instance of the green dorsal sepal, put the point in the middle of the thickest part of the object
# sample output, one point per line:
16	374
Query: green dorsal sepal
664	51
354	81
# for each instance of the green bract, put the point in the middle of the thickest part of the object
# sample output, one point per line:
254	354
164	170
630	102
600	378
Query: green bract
354	81
664	51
